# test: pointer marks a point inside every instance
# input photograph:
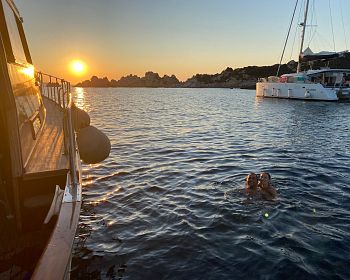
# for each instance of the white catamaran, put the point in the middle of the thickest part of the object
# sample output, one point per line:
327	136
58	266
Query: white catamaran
324	84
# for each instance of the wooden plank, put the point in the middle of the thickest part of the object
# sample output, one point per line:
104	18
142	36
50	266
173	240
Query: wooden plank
48	155
45	174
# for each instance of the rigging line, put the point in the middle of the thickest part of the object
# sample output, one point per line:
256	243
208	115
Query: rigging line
342	20
330	13
296	29
318	42
313	25
311	17
325	43
292	50
285	43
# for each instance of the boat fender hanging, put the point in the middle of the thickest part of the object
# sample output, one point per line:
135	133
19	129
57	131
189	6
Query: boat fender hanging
94	146
80	118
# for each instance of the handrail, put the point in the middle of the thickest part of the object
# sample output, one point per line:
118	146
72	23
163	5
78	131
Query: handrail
54	88
59	91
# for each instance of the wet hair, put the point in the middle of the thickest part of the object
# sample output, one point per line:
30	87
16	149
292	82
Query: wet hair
252	181
268	174
251	174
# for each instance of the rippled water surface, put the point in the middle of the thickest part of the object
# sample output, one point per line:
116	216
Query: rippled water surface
169	202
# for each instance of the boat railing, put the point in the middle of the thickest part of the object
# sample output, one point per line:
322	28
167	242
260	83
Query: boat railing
59	91
54	88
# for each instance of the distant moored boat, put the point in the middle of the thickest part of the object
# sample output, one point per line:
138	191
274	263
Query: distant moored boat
324	84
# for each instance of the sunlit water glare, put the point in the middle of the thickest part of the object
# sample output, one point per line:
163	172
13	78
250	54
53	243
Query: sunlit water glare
169	202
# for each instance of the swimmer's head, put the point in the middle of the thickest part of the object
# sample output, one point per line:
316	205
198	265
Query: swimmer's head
251	181
265	178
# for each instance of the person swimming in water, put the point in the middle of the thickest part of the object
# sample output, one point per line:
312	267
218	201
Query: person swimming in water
265	186
252	184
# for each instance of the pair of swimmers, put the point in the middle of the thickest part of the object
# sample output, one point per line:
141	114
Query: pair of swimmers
262	185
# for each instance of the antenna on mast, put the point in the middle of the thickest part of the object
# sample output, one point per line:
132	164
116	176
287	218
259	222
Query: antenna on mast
303	24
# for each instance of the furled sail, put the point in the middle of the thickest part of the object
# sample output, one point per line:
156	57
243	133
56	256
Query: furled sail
309	55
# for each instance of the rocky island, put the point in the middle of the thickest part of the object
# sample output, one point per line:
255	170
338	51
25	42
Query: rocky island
245	77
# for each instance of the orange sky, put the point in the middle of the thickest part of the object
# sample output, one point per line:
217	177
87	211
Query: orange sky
183	37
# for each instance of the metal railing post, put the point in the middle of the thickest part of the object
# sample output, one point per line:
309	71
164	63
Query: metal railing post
72	148
58	93
50	89
68	97
63	93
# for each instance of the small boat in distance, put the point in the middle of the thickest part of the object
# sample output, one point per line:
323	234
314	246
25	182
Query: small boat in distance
40	169
322	84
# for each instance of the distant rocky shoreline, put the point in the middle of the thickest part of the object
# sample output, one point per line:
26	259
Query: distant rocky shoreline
244	78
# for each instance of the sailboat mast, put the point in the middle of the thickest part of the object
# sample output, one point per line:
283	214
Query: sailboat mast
303	35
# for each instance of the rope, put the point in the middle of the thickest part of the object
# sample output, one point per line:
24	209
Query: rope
296	30
285	43
342	20
292	49
313	24
311	19
330	13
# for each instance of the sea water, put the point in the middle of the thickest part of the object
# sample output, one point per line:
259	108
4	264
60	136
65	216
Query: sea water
169	202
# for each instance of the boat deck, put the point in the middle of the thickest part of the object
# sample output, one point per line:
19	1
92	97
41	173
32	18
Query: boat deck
48	156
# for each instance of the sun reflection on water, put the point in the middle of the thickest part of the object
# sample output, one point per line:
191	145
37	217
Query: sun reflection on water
105	197
79	98
258	101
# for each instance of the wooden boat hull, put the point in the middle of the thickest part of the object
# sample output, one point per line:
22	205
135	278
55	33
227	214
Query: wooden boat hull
55	261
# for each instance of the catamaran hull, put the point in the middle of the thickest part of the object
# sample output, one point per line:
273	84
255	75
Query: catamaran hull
298	91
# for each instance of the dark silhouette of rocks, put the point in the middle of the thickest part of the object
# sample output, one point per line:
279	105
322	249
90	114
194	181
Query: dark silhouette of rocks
245	77
150	79
239	78
130	81
95	82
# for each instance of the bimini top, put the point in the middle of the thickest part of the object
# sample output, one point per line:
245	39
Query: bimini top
327	70
315	72
309	55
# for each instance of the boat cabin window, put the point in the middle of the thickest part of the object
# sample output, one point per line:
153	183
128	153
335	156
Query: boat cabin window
329	80
13	27
346	80
30	112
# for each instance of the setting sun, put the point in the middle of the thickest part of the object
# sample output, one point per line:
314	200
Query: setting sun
77	67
